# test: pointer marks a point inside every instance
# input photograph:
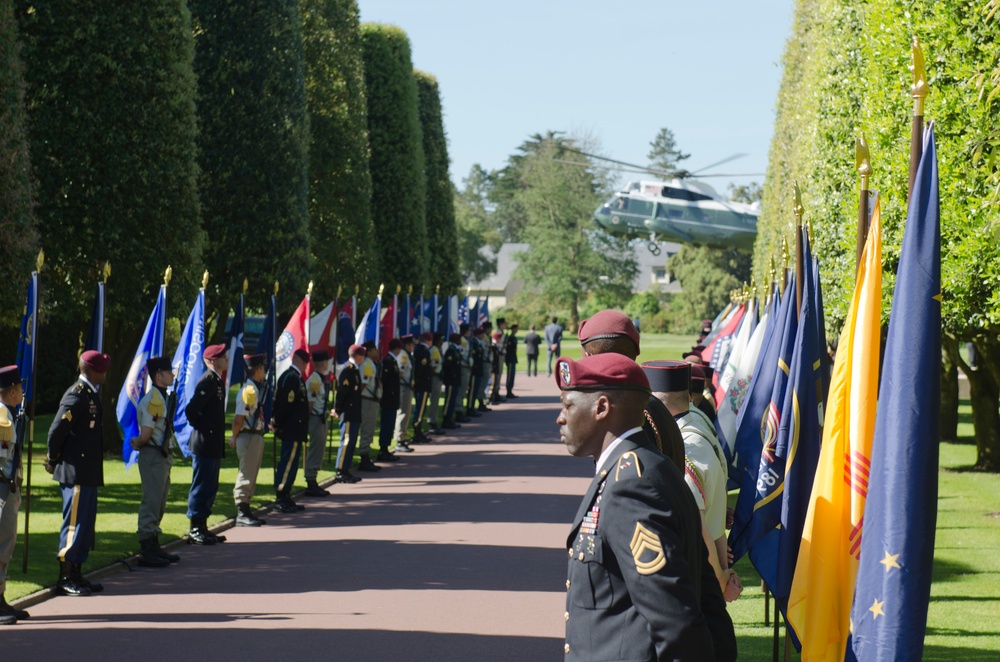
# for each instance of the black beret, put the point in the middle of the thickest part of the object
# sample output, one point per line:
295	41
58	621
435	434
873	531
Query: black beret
320	355
156	364
9	376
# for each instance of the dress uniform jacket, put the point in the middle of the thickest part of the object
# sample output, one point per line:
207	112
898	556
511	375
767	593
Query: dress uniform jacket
635	555
662	430
291	406
451	369
206	413
348	402
422	370
510	349
75	438
389	377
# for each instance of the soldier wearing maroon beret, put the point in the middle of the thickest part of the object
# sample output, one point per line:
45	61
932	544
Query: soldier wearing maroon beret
291	425
76	460
635	548
206	413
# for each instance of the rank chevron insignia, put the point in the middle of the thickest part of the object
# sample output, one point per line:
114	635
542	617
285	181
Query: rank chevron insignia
644	540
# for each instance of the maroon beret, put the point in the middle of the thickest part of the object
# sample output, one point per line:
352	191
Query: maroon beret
9	376
478	331
396	343
213	352
600	372
427	336
697	374
709	372
497	336
454	337
357	349
96	361
694	356
608	324
668	376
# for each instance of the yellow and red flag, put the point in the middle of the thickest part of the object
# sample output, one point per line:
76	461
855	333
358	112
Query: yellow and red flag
819	606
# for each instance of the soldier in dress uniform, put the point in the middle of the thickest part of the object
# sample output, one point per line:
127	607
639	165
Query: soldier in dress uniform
347	408
434	399
480	366
510	358
451	376
248	438
206	413
388	377
291	424
633	591
318	393
498	375
422	380
404	433
12	428
370	410
76	461
487	366
496	365
462	414
155	444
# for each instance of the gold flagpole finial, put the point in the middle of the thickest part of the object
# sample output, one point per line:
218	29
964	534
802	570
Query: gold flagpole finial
40	260
437	289
106	271
275	288
409	290
246	285
357	288
167	275
309	289
468	290
919	89
381	288
862	160
797	209
399	288
204	279
340	288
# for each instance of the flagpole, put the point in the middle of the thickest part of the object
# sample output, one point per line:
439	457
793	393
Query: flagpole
862	161
799	249
40	260
919	91
271	367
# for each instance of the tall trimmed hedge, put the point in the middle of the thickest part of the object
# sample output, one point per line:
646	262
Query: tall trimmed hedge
254	148
442	238
340	183
17	221
397	157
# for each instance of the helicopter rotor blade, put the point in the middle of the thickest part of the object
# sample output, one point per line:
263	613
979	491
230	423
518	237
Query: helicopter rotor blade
639	168
738	155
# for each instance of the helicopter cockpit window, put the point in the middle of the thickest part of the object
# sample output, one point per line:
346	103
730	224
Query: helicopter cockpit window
619	204
683	194
640	207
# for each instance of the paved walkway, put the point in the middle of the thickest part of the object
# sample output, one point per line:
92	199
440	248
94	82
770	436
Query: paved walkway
454	553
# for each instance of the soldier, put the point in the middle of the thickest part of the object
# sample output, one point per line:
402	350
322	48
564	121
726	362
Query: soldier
434	399
510	359
76	461
12	424
531	343
388	377
487	364
481	369
370	411
291	424
206	413
704	405
633	590
403	431
422	380
502	328
347	408
451	375
248	439
318	393
155	444
496	365
462	414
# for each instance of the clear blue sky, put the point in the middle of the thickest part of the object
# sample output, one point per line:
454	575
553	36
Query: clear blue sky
615	70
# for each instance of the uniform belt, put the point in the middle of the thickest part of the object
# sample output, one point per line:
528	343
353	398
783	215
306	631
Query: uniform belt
367	397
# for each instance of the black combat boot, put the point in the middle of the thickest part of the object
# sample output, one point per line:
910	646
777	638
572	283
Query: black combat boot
196	536
7	611
313	489
148	558
94	587
162	553
68	584
245	516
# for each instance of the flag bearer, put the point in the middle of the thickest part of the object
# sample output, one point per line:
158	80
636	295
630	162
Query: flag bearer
248	439
318	392
291	424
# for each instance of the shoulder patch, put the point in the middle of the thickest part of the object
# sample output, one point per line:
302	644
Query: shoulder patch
347	382
68	417
291	396
646	544
628	462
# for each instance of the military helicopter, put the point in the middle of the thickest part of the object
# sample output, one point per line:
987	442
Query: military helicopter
677	209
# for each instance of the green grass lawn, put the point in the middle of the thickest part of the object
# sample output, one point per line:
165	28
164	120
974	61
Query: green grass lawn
653	347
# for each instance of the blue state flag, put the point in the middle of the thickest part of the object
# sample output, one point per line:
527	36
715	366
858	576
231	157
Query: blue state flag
433	313
266	346
345	332
897	550
236	373
95	331
417	321
484	312
368	329
463	311
135	385
443	316
404	316
189	366
474	314
26	345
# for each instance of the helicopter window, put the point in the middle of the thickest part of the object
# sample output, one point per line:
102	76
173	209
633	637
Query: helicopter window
664	211
619	203
683	194
640	207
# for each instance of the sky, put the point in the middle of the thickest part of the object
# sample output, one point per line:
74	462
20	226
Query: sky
615	71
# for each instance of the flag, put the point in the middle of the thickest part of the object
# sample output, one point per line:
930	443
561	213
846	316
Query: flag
435	314
897	551
236	372
417	322
819	605
729	408
453	313
266	346
484	312
718	349
463	311
474	314
721	322
26	352
404	317
322	329
189	366
370	323
388	328
135	385
95	332
345	331
295	336
428	315
739	346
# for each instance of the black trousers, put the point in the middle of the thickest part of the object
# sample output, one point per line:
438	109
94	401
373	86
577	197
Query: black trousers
511	369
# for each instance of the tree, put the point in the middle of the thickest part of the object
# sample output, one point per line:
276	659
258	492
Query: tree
475	227
707	277
397	157
18	235
254	148
748	193
663	152
442	239
342	235
569	257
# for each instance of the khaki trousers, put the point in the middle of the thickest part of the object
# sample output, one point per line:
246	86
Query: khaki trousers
463	389
317	444
370	413
250	451
403	431
8	533
154	472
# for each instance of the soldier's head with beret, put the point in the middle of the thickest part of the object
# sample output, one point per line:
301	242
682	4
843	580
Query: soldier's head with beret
603	396
463	328
497	336
609	331
10	385
371	349
438	338
321	361
501	323
216	358
478	331
427	337
300	358
94	366
357	352
395	345
455	338
671	383
160	371
255	366
407	341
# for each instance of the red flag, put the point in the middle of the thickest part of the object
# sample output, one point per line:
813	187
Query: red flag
388	327
322	329
295	336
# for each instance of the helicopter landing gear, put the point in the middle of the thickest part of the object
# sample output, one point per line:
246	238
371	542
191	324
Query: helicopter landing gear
653	245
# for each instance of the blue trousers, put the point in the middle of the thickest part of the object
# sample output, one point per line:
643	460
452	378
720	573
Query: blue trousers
79	517
288	466
386	428
349	431
420	403
450	399
204	486
476	393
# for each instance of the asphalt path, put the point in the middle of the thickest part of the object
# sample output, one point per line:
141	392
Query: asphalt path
453	553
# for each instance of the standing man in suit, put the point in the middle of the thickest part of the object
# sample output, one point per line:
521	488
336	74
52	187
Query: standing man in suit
510	358
633	590
291	424
76	461
553	341
531	344
206	413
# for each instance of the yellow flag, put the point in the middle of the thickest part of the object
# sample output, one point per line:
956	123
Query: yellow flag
819	606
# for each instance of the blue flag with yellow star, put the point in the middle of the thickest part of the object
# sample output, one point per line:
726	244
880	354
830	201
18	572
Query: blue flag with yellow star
897	549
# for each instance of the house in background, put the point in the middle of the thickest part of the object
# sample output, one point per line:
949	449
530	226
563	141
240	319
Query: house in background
501	287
